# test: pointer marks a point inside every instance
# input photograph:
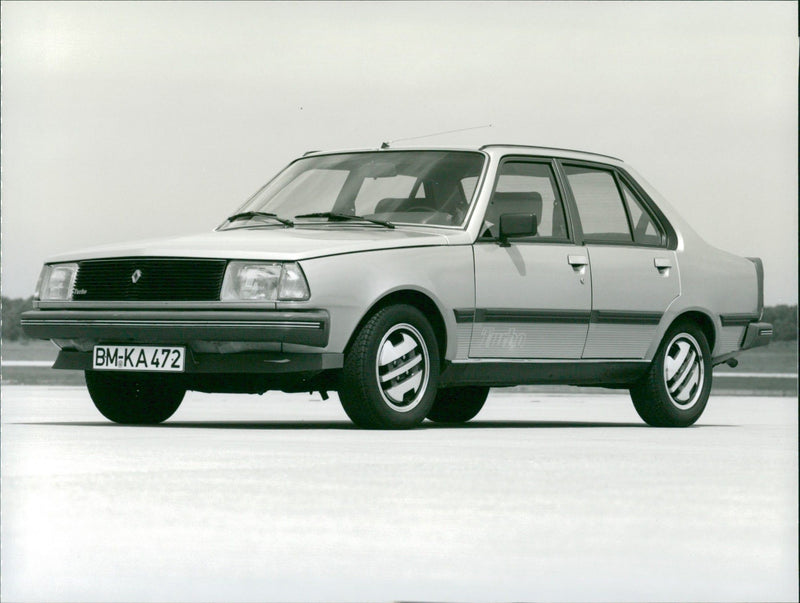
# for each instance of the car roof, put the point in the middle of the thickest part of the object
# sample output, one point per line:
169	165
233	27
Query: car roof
494	150
556	151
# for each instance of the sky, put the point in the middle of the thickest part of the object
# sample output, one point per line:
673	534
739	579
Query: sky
124	121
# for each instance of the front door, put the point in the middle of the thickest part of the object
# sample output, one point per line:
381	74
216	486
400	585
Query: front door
533	297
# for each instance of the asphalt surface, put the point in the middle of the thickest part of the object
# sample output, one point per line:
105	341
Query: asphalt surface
543	497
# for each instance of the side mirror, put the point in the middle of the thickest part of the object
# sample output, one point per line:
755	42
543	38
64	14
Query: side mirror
516	225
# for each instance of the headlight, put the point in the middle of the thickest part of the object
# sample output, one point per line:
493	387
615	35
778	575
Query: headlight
56	282
258	281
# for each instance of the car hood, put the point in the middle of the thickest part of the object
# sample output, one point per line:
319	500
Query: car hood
266	244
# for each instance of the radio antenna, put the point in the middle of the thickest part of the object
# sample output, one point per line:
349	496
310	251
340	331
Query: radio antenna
385	145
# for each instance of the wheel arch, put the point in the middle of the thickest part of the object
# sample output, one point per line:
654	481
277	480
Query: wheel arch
417	299
703	321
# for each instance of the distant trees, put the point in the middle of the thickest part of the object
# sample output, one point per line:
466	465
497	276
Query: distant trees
784	321
12	308
782	317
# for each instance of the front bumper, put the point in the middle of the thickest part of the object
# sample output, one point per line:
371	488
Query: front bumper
273	363
311	327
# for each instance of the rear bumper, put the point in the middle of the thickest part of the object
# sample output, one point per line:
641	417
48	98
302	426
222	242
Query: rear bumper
311	328
757	334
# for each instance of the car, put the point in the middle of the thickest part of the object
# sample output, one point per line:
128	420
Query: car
411	281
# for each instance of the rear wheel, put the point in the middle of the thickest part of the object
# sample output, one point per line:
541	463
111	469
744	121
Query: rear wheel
675	390
458	404
135	398
391	371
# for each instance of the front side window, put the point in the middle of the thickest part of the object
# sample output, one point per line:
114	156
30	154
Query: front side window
527	188
411	187
600	206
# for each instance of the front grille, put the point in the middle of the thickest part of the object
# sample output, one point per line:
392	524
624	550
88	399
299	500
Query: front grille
158	279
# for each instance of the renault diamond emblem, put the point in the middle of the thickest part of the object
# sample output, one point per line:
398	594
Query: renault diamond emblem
137	274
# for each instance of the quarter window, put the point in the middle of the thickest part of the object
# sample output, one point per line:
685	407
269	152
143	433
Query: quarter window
600	207
645	230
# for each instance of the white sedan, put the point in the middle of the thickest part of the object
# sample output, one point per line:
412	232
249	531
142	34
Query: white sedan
411	281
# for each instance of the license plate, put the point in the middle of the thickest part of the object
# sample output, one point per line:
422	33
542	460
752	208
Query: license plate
138	358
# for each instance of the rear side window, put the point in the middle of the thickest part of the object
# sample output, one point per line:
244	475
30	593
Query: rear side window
600	206
525	188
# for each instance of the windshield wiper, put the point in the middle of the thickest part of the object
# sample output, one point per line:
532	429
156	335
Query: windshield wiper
246	215
332	215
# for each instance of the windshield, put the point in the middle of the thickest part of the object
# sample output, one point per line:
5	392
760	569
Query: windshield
411	187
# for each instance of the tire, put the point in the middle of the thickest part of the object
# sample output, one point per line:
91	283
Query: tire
397	341
675	390
458	404
135	398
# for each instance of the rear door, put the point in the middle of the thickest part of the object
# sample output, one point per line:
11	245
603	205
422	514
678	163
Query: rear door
634	273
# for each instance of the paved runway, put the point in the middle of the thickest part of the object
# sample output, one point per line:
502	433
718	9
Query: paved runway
544	497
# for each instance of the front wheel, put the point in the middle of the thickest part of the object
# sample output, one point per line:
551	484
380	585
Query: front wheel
135	398
391	370
675	390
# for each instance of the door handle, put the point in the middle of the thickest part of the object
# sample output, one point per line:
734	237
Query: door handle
578	260
663	266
